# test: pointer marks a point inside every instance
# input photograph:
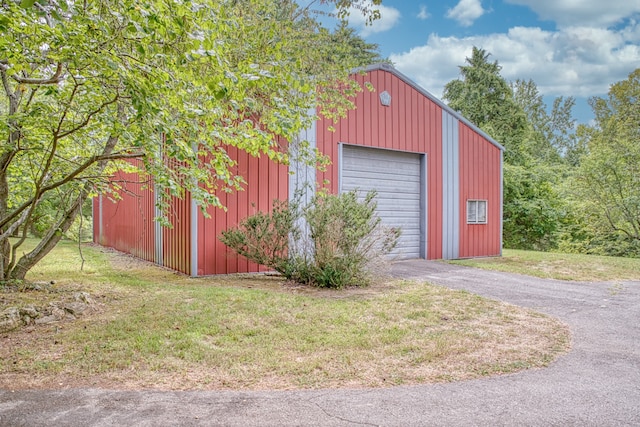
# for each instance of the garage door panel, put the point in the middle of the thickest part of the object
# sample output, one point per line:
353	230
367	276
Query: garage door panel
406	179
396	177
376	166
401	168
386	189
373	154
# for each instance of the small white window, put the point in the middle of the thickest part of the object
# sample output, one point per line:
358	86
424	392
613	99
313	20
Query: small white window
476	211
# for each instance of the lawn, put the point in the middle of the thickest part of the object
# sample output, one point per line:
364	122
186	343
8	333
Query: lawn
151	328
552	265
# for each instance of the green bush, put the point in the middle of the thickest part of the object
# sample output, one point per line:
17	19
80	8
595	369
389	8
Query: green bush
337	240
264	238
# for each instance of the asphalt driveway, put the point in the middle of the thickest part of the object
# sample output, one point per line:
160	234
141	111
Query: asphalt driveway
596	384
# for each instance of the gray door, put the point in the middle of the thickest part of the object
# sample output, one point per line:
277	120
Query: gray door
397	177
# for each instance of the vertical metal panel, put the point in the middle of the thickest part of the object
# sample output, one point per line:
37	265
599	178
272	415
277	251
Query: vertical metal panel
340	158
157	227
265	181
193	227
176	240
450	187
242	204
127	224
302	183
424	206
501	197
193	238
480	179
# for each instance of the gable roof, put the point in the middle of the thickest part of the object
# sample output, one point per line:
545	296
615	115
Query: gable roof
382	66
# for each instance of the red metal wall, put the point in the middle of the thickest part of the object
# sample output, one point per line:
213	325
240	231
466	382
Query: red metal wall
176	241
266	181
412	123
479	179
127	224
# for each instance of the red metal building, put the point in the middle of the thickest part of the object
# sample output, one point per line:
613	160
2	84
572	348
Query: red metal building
438	177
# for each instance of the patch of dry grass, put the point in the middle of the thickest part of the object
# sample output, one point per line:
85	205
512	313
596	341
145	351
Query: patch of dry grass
553	265
156	329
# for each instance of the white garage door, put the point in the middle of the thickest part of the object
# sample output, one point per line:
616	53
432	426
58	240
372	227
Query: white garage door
396	176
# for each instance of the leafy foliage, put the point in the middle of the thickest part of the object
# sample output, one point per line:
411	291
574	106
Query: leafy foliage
88	86
264	237
347	239
606	185
344	243
550	138
347	46
533	208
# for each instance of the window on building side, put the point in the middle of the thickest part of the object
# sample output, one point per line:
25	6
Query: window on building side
476	211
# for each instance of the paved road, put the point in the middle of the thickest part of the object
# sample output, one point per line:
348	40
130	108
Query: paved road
596	384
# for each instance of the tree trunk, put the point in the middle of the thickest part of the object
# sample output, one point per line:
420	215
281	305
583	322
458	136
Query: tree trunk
51	239
5	159
55	233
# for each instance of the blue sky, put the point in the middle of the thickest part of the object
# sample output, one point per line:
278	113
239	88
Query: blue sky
568	47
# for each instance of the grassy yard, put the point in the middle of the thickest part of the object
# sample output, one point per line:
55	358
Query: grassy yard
561	266
153	328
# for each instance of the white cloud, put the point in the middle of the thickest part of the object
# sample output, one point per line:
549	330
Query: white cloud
466	11
423	14
389	17
582	12
575	61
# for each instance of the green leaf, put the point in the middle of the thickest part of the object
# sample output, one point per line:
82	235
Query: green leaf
26	4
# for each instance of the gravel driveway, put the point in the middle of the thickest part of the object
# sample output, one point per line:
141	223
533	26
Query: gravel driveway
596	384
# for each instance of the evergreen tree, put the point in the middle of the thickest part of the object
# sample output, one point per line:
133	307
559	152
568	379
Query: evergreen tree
531	204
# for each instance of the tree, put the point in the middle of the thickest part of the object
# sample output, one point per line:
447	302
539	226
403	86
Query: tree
550	137
518	121
161	88
607	182
550	150
347	45
533	209
485	98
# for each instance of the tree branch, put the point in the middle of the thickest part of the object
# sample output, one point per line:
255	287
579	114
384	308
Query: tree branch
13	227
69	178
88	118
54	79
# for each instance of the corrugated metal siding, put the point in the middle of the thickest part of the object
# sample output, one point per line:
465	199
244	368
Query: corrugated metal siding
176	241
412	123
96	212
302	186
127	224
480	172
266	181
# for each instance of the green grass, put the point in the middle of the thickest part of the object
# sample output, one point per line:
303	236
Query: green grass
560	266
153	328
